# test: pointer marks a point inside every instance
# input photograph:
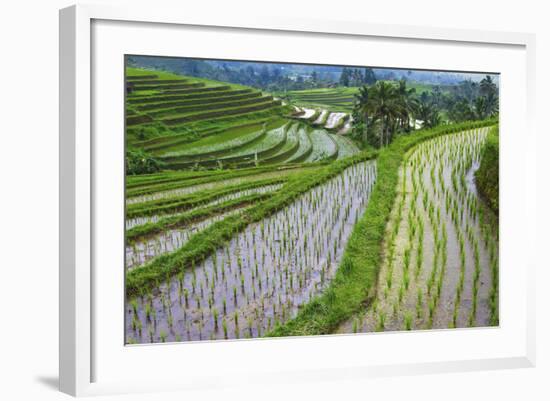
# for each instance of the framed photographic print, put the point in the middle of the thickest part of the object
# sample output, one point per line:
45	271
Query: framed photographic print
267	212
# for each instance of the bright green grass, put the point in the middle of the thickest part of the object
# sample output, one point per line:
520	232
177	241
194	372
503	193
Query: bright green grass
162	75
224	122
487	174
145	92
335	99
215	97
176	112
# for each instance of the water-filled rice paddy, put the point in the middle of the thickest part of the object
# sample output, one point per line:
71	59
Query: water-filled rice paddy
263	275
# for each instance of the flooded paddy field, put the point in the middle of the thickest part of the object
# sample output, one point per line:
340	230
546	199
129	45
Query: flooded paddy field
440	266
266	189
263	275
190	189
170	240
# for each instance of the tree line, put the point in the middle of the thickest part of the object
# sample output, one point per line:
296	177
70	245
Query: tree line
357	76
387	108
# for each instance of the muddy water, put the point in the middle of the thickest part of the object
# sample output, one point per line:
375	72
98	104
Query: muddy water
263	275
321	117
347	127
333	119
409	300
308	113
137	221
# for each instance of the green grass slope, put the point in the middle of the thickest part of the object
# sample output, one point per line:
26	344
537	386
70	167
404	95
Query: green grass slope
487	174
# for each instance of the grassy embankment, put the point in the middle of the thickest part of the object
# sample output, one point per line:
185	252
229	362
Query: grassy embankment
487	174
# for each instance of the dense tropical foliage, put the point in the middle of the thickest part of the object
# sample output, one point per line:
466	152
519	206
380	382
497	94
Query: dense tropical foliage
387	108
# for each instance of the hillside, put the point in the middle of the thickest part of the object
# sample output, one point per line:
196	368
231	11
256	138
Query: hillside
188	122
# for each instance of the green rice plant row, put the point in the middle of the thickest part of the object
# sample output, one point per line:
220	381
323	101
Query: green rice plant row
354	285
305	149
167	182
138	119
230	120
140	77
168	87
149	229
167	141
198	101
282	155
189	94
217	149
176	111
247	155
140	82
220	113
186	202
144	278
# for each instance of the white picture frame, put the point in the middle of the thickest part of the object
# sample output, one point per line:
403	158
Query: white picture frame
83	348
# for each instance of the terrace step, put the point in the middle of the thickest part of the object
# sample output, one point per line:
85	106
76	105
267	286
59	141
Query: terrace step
179	111
168	87
138	119
305	149
191	94
206	155
220	113
158	81
140	77
281	156
324	146
204	100
240	160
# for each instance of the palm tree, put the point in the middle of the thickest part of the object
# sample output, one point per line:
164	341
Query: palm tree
385	105
487	87
362	102
461	110
492	104
361	112
480	107
409	103
489	92
429	115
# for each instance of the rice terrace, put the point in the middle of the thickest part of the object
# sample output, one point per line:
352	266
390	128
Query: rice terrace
275	199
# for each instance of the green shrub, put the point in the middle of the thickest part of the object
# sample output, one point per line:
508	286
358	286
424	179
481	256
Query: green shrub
140	162
146	132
